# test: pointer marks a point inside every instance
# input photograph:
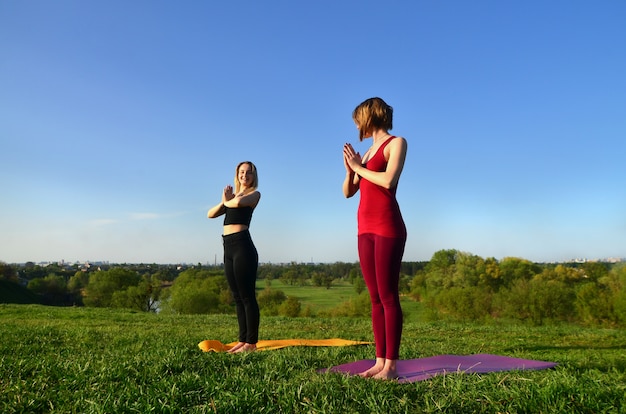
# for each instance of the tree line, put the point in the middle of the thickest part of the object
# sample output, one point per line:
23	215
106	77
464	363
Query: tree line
453	284
468	287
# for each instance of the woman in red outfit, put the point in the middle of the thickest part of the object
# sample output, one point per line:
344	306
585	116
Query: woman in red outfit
381	230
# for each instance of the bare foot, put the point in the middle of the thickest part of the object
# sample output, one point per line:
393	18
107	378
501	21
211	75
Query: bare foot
236	347
378	367
389	371
246	348
386	374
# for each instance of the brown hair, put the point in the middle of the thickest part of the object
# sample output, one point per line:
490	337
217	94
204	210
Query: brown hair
255	183
373	113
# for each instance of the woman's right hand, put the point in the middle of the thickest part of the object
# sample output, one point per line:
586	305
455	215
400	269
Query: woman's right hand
228	194
351	182
351	158
345	164
219	209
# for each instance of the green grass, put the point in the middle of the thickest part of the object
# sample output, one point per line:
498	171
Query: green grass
318	298
322	299
87	360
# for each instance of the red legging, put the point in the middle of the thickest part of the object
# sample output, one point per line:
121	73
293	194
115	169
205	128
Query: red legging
381	259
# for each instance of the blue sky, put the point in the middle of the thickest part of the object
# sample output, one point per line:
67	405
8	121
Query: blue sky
121	122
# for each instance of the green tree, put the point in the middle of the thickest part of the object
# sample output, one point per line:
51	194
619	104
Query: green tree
514	301
404	284
593	304
8	272
466	303
418	286
290	307
568	275
193	299
289	277
102	285
615	282
359	285
143	297
441	269
354	274
467	270
197	291
513	269
166	274
360	306
551	300
77	282
595	270
491	277
32	271
270	301
51	288
322	279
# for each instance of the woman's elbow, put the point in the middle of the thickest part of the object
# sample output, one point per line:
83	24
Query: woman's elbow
388	185
349	192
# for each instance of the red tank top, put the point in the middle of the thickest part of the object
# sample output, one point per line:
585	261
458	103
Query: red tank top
379	212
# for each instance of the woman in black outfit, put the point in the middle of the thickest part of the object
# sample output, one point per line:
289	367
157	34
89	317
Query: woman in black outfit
240	256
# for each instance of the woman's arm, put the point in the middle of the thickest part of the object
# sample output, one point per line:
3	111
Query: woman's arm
216	211
351	182
396	151
219	209
247	200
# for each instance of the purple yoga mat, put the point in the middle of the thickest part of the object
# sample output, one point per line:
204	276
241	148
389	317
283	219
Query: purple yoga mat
411	370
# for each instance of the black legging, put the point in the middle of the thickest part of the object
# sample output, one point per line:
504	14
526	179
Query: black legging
241	261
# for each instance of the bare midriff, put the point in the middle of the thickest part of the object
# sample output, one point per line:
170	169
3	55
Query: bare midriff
234	228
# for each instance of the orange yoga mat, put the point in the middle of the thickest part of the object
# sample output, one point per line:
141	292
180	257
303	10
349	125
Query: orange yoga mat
211	345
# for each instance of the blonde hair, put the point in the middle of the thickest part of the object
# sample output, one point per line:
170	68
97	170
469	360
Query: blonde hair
255	182
371	114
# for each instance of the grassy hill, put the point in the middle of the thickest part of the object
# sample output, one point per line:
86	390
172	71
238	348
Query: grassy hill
91	360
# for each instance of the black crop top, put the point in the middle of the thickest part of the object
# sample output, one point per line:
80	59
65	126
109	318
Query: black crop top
240	215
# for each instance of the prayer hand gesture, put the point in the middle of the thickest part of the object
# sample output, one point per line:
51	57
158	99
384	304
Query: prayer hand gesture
228	194
351	158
